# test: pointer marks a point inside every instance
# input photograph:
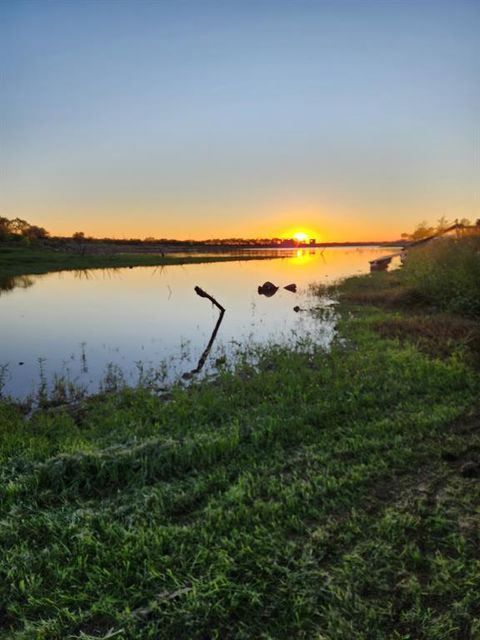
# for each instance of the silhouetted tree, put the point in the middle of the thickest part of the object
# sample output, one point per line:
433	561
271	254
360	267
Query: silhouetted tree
5	230
422	230
19	226
442	224
32	232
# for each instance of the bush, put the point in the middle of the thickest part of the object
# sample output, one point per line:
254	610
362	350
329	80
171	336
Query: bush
447	273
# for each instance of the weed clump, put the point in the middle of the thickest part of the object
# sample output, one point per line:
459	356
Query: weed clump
446	272
443	275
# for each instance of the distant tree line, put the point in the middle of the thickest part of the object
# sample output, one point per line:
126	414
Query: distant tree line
21	229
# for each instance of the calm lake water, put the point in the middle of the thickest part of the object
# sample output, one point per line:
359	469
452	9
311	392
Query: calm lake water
84	325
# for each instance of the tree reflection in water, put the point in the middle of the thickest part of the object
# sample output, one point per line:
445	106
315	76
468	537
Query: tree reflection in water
9	283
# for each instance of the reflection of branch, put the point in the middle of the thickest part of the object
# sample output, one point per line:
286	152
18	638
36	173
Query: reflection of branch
201	362
159	267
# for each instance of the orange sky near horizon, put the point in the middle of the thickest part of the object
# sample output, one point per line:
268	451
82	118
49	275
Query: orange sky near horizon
323	230
323	225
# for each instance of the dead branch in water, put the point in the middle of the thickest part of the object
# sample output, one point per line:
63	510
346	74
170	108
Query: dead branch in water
201	362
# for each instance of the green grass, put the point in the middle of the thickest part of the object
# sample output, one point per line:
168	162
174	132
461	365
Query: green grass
16	261
443	275
322	495
447	273
433	302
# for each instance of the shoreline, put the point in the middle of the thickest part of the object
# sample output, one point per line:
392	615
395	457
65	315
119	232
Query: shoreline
26	262
228	502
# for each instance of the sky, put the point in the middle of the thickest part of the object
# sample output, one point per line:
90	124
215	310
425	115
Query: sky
349	119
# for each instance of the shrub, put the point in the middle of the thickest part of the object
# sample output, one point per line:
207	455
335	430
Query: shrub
447	273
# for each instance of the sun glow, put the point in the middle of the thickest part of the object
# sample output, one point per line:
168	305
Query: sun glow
300	236
301	257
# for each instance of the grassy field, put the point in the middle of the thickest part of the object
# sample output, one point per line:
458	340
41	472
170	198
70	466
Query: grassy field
325	495
16	261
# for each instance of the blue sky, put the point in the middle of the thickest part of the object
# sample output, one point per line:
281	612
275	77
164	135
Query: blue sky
355	119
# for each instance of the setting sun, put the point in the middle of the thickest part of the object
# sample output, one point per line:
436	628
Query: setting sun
305	234
301	236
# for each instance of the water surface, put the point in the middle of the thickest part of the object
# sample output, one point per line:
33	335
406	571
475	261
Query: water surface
80	324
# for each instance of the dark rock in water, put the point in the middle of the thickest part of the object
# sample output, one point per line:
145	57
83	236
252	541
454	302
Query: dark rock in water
291	287
267	289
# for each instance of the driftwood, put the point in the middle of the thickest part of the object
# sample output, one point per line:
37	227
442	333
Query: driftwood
201	362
